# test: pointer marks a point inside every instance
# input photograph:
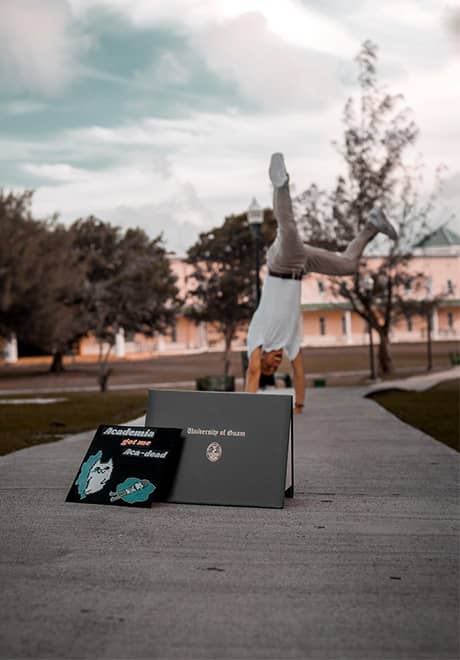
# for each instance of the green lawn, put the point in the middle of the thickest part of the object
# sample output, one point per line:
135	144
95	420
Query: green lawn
24	425
435	412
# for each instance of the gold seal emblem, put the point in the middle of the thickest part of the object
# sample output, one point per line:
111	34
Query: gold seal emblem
214	452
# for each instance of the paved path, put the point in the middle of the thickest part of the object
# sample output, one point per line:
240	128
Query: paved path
361	565
419	383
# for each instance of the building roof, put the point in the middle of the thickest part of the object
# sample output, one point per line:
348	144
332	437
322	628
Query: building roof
441	237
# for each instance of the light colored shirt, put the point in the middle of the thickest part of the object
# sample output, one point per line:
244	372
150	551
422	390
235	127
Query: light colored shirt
275	323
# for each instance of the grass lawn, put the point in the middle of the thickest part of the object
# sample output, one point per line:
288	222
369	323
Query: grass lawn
435	412
24	425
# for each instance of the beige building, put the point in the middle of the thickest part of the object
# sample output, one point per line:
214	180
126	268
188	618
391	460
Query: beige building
325	320
328	321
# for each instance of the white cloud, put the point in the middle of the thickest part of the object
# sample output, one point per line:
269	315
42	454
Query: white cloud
434	97
128	196
453	23
181	173
272	51
296	24
37	45
290	20
266	68
58	172
179	218
176	174
410	13
76	191
184	174
452	187
148	12
220	153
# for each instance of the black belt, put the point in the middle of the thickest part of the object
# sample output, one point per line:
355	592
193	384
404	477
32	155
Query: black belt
294	275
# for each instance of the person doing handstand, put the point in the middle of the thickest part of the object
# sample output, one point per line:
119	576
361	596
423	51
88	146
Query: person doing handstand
274	327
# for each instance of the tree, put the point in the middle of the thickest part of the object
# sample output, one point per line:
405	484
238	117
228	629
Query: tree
39	280
128	284
56	321
378	133
58	284
18	258
222	284
423	303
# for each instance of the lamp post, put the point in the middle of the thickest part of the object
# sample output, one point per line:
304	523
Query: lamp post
255	219
368	283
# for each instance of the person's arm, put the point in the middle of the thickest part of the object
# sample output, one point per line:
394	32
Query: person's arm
299	382
253	373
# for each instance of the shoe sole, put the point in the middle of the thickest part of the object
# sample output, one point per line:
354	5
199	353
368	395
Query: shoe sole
277	170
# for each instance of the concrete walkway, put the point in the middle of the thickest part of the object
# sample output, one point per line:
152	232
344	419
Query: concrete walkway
416	383
361	565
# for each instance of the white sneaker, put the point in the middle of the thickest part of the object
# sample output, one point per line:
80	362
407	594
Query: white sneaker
277	171
378	218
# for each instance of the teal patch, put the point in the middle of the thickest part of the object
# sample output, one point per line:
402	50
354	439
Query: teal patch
133	490
85	469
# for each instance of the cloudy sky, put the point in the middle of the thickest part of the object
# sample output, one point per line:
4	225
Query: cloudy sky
163	113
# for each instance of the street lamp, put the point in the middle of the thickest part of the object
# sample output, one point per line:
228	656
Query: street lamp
368	283
255	219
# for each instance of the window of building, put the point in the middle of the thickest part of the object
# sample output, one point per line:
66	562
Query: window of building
129	336
450	320
322	325
450	287
428	285
174	333
321	286
409	324
344	325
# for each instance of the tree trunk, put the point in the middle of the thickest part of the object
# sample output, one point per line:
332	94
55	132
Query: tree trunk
103	377
228	346
104	370
385	360
57	366
226	359
429	331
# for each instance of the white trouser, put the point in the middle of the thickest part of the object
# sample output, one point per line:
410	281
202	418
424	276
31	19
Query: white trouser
289	253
